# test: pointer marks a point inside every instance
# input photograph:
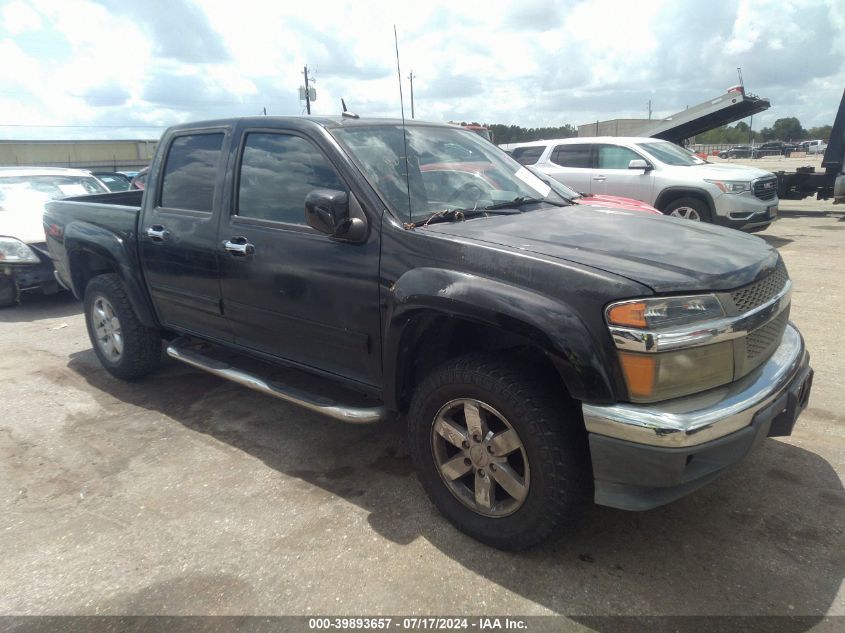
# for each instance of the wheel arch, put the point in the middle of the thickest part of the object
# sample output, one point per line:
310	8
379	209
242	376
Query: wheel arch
435	315
671	194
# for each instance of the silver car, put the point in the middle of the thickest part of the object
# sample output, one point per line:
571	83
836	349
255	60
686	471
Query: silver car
661	174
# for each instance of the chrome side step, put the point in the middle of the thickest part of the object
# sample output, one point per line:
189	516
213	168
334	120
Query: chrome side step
352	415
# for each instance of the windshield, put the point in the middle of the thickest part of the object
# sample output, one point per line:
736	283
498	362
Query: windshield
671	154
446	169
47	187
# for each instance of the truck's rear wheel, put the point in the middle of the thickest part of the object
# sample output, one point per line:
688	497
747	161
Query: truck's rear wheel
499	453
688	209
126	347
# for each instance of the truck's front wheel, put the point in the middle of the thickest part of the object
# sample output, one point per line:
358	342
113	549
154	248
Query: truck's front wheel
126	347
499	453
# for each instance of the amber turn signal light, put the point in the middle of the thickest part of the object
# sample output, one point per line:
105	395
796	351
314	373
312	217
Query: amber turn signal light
628	314
639	373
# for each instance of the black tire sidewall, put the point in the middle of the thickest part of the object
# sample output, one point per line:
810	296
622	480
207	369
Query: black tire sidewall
536	518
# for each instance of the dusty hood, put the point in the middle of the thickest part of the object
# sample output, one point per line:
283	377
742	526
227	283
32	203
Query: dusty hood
727	172
667	254
20	217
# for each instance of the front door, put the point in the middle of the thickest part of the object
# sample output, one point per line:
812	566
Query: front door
178	235
612	176
295	293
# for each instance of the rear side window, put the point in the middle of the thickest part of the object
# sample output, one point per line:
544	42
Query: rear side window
277	172
615	157
574	155
528	155
190	172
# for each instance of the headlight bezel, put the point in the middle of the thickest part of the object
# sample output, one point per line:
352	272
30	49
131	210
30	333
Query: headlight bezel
15	251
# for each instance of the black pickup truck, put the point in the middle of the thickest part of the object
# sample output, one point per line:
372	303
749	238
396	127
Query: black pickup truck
541	352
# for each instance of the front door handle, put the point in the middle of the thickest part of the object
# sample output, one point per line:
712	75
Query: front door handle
157	233
239	247
600	178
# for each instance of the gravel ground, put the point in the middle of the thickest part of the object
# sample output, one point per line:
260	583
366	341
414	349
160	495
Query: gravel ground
184	494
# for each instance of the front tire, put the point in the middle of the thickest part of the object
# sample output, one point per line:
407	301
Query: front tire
499	451
126	347
688	209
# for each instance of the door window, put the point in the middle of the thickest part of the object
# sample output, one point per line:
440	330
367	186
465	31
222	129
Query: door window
528	155
191	171
615	157
574	155
277	172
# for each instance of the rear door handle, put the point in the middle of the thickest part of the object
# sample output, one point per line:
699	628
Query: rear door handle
157	233
239	247
600	178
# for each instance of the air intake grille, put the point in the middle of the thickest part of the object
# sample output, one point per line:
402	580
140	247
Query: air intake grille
766	338
760	292
766	189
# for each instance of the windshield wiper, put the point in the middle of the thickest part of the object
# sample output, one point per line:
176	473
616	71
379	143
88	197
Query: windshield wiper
456	215
518	202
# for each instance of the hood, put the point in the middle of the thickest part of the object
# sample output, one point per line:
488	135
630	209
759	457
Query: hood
615	202
726	172
664	253
20	217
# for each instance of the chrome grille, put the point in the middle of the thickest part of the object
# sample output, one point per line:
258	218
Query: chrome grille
764	339
760	292
766	188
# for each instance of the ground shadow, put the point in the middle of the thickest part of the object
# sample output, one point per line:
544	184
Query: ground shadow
775	241
765	539
35	306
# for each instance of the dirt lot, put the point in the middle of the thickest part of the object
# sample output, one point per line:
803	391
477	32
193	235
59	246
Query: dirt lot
184	494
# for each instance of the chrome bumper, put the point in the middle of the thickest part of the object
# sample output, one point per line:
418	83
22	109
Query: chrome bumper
703	417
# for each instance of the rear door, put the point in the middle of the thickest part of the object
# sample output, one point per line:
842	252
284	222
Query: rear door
612	176
178	234
571	164
300	295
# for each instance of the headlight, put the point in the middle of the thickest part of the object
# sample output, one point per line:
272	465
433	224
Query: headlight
13	251
731	186
666	312
653	374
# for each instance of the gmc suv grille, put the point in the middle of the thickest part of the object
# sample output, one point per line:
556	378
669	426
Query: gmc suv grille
766	188
760	292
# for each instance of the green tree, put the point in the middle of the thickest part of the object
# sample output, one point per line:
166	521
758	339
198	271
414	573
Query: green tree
823	132
788	129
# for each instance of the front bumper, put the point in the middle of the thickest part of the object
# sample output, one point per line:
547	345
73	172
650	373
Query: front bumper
31	276
644	456
744	211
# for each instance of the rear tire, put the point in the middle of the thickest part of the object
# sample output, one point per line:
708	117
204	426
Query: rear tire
126	347
526	478
688	209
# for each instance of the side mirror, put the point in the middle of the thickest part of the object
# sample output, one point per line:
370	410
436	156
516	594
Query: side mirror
639	163
327	211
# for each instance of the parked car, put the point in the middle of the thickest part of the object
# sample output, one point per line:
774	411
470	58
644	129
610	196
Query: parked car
663	175
115	181
774	148
814	147
24	262
738	151
140	179
540	353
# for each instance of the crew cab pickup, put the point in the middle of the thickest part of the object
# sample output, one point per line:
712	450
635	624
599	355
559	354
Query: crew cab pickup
541	353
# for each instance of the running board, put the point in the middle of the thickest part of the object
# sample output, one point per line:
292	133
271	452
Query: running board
352	415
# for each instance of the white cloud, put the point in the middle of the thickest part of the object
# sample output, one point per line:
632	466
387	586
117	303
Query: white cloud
535	63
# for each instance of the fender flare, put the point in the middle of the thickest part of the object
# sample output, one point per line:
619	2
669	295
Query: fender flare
548	323
659	201
81	238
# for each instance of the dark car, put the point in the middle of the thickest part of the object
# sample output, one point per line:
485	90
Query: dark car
738	151
774	148
540	353
115	181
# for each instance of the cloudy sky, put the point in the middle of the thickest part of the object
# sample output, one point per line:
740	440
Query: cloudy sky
128	68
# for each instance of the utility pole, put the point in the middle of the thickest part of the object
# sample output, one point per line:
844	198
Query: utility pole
649	109
307	95
411	78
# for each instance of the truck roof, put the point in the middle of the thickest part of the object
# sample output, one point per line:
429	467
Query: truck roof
322	121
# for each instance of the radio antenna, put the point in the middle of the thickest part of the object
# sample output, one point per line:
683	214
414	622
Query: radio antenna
404	134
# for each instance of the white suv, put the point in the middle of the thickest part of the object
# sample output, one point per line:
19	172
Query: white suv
661	174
